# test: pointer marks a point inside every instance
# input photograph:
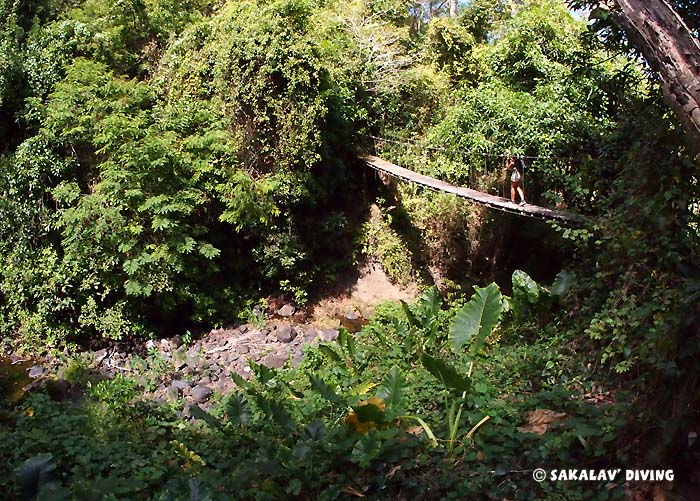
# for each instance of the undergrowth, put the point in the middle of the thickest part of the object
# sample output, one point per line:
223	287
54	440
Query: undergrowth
418	405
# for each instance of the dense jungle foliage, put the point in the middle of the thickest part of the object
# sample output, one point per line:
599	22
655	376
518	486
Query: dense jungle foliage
165	166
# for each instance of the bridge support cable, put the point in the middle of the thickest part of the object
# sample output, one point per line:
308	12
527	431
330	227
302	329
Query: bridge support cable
481	198
482	172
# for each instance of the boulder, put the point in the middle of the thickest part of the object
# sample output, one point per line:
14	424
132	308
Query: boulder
329	335
310	334
286	311
201	393
180	384
285	333
100	355
274	361
173	393
298	358
36	371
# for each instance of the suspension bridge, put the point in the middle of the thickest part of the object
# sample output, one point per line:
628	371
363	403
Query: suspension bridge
488	200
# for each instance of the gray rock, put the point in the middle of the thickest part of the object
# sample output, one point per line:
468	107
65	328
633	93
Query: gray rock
286	311
36	371
186	411
192	362
176	341
298	358
274	361
310	334
100	355
180	384
285	333
205	380
173	393
201	393
243	349
330	335
150	344
178	363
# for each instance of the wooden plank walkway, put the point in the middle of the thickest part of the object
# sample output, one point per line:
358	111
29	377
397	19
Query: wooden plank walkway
491	201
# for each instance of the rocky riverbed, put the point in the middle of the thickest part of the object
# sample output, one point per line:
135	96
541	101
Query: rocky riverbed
185	373
182	371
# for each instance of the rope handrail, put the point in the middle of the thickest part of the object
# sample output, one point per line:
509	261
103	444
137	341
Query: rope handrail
415	142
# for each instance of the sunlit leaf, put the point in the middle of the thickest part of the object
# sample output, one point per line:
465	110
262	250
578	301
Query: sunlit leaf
475	321
392	388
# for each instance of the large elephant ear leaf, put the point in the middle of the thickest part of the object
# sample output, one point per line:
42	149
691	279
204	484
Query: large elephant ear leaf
36	474
475	321
445	373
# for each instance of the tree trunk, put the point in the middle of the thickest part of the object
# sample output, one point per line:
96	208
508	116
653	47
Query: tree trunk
666	43
453	8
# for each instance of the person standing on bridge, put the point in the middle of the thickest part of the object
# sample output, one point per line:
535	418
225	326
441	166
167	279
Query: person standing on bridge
516	180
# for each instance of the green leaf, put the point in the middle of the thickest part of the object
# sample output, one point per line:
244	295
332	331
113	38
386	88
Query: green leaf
238	410
392	388
240	381
282	416
476	319
347	341
330	353
366	449
262	372
367	413
131	266
35	474
276	411
412	319
324	389
161	223
524	287
314	431
431	302
562	283
445	373
198	413
134	288
209	251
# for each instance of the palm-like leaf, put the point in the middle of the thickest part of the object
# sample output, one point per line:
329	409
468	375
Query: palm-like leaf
392	388
238	410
